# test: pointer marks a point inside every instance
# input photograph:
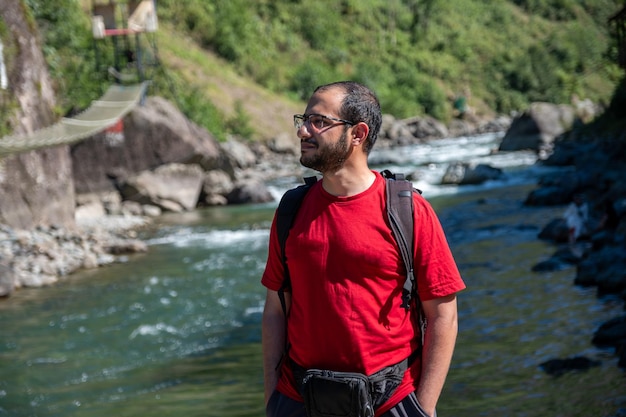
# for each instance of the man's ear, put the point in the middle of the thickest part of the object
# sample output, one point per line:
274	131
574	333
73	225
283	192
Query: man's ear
359	133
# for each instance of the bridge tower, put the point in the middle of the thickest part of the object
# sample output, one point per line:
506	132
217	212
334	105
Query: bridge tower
126	30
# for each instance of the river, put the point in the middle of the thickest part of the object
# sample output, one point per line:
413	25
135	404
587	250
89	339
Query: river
176	332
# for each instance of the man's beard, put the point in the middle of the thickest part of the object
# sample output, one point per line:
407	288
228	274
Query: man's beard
329	158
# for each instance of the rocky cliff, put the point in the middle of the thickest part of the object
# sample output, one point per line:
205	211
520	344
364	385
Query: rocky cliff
36	187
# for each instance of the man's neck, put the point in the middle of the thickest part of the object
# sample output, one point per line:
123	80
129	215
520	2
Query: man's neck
348	182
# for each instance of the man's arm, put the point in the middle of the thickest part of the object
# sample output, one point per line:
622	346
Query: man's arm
439	341
273	339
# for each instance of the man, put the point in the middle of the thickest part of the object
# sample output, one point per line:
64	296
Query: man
343	306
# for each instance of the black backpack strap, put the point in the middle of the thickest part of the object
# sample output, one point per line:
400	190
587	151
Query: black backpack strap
285	214
400	212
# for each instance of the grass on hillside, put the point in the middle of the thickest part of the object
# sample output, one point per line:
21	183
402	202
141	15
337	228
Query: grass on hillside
240	67
269	114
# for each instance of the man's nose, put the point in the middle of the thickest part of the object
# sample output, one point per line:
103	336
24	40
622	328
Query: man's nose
303	131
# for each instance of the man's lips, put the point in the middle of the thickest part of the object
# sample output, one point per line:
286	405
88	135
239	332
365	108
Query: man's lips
307	145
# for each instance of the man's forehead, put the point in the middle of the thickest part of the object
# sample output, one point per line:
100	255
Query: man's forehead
328	99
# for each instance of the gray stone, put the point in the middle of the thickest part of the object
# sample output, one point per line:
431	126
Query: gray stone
537	127
155	134
172	187
463	173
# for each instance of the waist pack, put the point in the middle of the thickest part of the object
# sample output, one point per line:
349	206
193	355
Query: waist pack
348	394
336	394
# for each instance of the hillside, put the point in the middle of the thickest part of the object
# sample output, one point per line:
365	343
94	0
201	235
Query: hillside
268	113
241	67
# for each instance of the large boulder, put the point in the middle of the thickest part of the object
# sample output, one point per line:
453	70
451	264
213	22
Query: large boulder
537	127
172	187
154	134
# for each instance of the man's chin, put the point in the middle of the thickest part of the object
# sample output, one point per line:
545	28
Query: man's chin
308	162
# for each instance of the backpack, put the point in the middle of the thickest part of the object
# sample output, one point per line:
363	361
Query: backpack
399	193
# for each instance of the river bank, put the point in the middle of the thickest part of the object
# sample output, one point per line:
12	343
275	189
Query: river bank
596	172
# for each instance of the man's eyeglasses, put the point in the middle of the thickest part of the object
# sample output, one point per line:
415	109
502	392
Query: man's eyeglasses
317	121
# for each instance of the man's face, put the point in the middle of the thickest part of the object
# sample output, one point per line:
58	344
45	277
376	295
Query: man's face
324	144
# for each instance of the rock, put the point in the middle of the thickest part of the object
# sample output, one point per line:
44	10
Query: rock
463	173
558	367
285	143
36	187
460	127
548	196
216	185
611	333
90	261
172	187
414	130
500	124
132	208
537	128
151	211
561	259
237	154
567	152
426	127
118	224
606	269
250	192
7	281
556	230
549	265
215	200
395	133
586	273
35	279
125	246
42	256
586	110
155	134
94	209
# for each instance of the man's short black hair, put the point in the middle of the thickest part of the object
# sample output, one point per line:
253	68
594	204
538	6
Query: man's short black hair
360	104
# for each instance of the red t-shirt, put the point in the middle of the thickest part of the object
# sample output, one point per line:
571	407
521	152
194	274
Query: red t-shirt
346	279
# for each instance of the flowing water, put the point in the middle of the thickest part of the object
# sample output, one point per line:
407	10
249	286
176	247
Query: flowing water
176	331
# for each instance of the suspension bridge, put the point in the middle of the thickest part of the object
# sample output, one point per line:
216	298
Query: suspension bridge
103	113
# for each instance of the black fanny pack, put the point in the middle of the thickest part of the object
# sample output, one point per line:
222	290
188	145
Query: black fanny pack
328	393
347	394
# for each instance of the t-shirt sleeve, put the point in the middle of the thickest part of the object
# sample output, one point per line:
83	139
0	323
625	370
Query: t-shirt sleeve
273	275
435	268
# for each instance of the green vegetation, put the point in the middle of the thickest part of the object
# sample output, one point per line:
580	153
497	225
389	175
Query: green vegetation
418	55
609	128
507	53
7	103
68	48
